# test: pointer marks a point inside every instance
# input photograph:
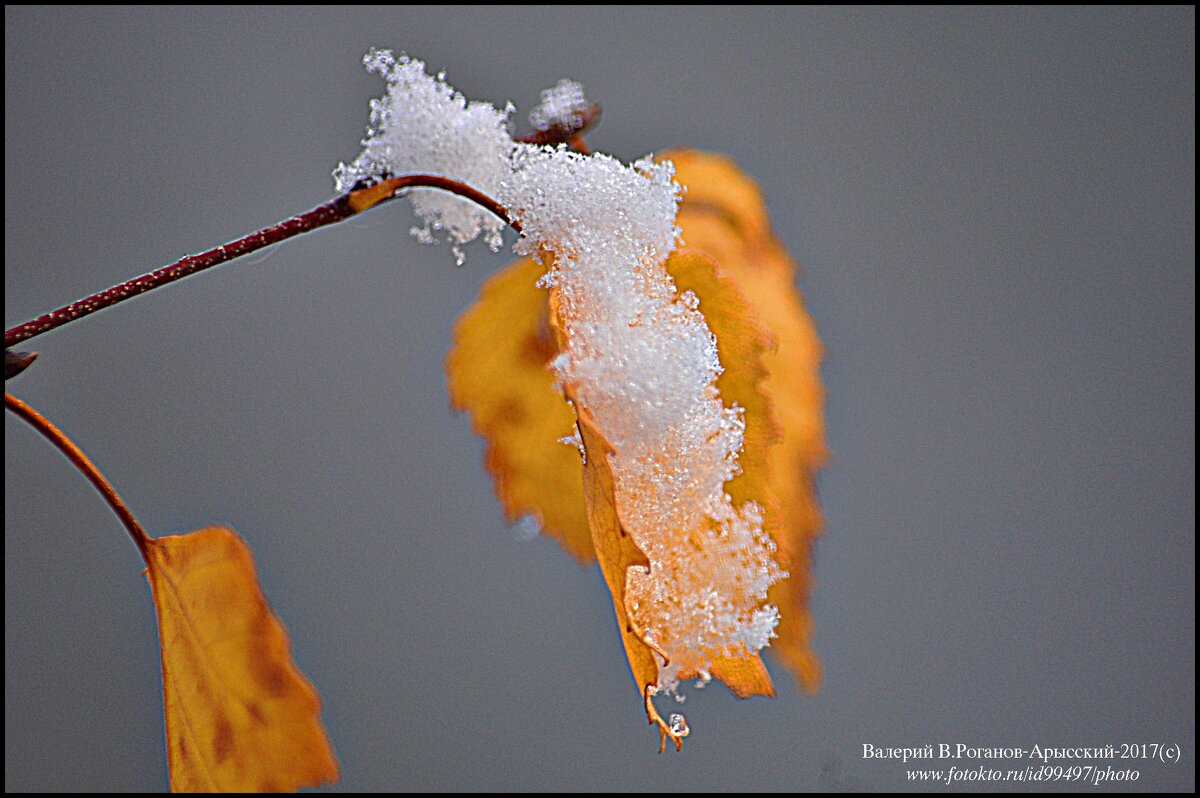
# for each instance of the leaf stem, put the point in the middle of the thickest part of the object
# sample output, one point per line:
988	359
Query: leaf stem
336	210
85	466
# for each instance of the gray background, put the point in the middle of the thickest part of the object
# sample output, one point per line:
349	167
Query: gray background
995	211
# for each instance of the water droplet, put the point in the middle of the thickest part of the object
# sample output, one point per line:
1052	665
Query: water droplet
678	724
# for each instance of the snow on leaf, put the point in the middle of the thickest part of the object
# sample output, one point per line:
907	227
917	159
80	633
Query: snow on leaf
723	215
498	372
742	343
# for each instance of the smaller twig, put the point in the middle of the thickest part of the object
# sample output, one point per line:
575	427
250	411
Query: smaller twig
85	466
564	134
16	362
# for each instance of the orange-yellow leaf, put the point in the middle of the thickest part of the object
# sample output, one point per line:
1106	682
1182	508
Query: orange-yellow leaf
240	716
744	280
723	215
617	554
741	342
497	371
715	184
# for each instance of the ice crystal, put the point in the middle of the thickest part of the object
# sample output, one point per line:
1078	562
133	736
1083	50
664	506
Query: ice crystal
639	356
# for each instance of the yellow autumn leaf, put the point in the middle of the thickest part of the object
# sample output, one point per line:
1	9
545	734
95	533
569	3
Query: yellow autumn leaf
742	279
498	371
724	216
240	716
742	340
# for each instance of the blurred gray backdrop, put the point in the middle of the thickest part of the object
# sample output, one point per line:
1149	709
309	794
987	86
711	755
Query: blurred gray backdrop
995	214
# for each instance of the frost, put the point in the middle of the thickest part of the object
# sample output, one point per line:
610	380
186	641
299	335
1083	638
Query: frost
639	355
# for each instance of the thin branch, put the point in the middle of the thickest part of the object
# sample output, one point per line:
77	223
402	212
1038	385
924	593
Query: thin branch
336	210
364	198
85	466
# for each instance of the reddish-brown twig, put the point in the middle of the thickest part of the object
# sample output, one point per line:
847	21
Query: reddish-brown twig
337	209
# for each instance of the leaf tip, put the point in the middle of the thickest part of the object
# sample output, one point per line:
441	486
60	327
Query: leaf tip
675	732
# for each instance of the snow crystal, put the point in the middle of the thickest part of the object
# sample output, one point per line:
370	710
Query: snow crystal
561	106
639	356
